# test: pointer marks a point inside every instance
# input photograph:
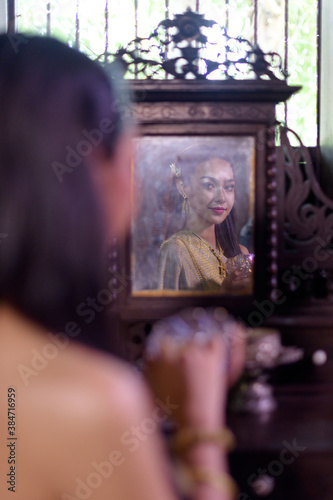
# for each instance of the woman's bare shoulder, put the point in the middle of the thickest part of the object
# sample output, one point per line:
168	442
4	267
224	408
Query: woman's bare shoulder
75	403
107	382
244	250
88	401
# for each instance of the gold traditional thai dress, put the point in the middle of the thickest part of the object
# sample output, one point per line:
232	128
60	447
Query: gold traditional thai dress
188	262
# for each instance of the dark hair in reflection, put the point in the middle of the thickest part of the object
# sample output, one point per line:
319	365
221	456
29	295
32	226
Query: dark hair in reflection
51	259
187	161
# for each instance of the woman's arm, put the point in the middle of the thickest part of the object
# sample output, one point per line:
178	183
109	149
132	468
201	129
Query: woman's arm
195	375
146	472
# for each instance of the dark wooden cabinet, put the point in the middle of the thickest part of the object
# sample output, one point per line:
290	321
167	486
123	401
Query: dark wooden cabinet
288	453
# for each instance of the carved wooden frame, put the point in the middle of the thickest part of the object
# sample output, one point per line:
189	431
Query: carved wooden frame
211	107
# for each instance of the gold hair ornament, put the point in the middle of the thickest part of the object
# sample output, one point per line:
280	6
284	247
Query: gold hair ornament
176	172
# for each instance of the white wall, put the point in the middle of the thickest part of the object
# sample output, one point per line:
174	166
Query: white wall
3	16
326	104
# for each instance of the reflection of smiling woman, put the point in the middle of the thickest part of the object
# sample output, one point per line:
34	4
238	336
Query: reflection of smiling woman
195	257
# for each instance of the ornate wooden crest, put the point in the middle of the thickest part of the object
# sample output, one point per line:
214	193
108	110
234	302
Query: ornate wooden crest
190	46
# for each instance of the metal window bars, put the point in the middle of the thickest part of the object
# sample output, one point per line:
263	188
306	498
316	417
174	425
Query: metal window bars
228	9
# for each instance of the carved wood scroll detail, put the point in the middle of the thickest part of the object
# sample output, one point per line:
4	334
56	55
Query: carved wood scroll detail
307	211
305	220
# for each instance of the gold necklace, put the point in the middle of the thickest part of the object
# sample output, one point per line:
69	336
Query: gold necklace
219	255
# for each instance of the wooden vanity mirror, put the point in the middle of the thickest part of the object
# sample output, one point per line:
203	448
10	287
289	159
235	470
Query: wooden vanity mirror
217	102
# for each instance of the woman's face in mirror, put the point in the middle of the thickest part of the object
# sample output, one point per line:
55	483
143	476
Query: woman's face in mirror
211	191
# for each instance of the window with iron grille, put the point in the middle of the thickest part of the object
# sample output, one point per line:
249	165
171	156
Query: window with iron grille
288	27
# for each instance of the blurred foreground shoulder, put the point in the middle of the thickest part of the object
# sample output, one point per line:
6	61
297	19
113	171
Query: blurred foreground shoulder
118	386
124	445
107	399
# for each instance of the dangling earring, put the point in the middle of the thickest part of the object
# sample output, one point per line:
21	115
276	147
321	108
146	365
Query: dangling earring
184	205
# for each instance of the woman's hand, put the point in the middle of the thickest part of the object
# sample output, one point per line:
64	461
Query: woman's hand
239	279
237	282
191	361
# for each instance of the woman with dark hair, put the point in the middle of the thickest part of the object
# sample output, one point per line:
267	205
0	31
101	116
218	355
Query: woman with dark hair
57	115
80	423
202	201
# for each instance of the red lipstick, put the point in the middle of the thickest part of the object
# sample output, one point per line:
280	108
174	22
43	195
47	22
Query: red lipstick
218	210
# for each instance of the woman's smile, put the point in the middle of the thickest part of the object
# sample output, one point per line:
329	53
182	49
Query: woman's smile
218	210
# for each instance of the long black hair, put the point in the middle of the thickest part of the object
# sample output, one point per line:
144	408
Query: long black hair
187	161
57	106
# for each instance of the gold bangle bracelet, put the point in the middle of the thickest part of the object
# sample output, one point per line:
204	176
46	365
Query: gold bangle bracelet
187	437
222	482
187	476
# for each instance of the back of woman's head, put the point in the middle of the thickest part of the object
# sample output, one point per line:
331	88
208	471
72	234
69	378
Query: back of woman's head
57	114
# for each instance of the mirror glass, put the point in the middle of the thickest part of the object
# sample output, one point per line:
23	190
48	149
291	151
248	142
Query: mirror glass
193	199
